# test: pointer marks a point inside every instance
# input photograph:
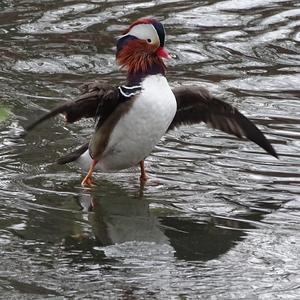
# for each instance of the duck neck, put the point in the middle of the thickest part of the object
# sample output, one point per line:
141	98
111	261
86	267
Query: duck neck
136	77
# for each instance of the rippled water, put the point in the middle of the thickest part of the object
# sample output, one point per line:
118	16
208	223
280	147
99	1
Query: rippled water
219	219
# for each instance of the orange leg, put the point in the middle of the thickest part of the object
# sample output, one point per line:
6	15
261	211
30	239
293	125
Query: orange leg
87	181
143	176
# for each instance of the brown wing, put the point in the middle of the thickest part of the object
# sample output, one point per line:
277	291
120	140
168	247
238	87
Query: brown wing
74	155
196	105
97	100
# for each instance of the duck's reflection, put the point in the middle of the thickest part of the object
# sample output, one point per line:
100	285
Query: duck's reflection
118	216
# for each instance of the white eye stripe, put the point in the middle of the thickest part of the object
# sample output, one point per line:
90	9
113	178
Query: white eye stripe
145	32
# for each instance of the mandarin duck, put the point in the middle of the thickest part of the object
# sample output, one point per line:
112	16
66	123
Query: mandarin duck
130	119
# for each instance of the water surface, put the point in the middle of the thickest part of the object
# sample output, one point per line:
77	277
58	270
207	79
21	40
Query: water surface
219	218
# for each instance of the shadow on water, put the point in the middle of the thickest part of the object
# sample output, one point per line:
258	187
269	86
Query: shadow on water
117	216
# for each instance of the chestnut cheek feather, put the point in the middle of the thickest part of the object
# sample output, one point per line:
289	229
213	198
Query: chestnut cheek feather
139	56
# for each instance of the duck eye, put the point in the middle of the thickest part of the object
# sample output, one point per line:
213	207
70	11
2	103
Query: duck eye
149	41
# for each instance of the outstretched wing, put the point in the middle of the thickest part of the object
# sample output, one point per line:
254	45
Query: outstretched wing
196	105
97	100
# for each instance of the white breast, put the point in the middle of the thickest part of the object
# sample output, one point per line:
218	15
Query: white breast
139	130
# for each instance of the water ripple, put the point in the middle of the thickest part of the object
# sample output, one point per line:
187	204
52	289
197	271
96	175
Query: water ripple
218	218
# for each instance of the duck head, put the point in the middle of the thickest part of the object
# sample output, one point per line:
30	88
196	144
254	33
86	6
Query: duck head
140	50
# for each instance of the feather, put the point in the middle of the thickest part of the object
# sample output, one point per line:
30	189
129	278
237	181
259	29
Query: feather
97	101
74	155
196	105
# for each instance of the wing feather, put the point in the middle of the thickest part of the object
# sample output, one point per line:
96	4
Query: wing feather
196	105
97	100
74	155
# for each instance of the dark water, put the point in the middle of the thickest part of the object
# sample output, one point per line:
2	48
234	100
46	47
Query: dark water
219	219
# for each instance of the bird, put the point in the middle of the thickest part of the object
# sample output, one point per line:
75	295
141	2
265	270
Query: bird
130	119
